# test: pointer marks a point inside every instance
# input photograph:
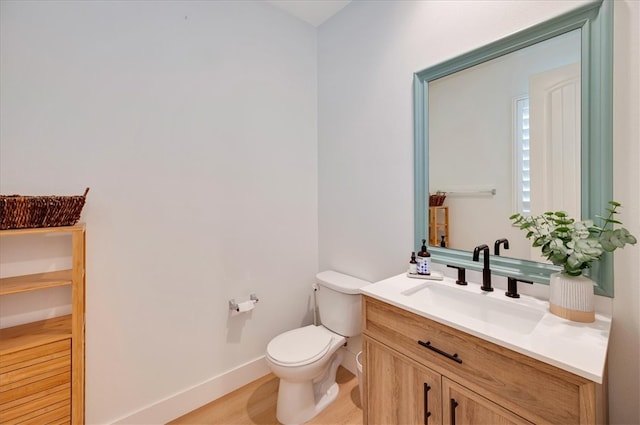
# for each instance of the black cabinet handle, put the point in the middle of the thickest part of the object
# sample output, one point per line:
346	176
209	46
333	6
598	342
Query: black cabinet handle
453	357
427	413
452	405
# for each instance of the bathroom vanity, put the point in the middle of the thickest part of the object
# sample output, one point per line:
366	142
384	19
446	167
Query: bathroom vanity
437	353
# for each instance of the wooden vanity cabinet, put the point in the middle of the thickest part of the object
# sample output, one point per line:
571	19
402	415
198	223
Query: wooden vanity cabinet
402	391
42	362
399	390
474	381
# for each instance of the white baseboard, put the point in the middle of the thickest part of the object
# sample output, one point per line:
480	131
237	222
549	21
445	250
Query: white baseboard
349	360
190	399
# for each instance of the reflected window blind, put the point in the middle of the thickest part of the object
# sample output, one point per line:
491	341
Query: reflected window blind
523	180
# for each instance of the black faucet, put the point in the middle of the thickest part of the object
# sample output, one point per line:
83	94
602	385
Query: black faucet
486	271
496	245
512	287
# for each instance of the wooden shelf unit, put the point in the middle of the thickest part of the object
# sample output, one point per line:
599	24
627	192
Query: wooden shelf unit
438	225
42	363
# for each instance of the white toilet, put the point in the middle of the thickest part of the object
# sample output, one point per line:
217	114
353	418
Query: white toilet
306	359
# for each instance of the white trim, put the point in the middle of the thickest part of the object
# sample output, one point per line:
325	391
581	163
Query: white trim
190	399
349	360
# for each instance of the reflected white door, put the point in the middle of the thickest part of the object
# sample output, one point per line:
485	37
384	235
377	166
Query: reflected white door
554	101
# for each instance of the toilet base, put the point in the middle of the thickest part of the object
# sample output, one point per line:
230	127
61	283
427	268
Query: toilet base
299	402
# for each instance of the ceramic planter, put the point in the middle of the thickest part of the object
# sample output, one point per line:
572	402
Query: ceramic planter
571	297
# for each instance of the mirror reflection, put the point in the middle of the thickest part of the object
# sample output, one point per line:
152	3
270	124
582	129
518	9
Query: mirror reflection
504	137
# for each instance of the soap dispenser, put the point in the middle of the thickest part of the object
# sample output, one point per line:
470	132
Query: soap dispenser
424	259
413	265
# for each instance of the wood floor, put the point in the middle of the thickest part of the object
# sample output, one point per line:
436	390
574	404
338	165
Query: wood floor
255	403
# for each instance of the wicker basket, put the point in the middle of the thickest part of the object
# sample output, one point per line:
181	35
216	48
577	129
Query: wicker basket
19	212
437	200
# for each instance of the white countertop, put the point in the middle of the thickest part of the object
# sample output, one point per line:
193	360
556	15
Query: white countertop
580	348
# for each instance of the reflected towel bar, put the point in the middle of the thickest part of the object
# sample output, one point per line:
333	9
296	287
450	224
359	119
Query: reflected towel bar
471	192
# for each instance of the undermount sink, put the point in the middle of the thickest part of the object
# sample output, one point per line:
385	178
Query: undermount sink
477	306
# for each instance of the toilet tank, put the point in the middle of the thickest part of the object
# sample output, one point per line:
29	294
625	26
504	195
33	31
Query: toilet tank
339	302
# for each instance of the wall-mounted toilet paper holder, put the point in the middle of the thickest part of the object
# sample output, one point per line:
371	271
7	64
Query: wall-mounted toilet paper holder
233	305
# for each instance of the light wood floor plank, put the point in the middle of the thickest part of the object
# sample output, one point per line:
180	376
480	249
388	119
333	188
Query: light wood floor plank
255	403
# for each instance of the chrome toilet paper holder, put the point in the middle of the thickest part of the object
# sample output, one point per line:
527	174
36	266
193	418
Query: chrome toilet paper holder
233	305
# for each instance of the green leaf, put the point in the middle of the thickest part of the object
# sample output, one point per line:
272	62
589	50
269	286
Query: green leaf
574	262
558	259
615	204
607	245
616	241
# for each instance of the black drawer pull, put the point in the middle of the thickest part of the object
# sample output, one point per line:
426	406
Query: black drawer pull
453	357
427	413
452	410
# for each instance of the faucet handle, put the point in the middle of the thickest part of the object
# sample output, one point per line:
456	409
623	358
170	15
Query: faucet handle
496	245
462	280
512	287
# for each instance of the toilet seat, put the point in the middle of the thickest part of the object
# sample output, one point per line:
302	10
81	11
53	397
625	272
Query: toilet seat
300	347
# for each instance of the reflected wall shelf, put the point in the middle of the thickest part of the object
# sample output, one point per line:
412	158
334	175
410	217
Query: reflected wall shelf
438	225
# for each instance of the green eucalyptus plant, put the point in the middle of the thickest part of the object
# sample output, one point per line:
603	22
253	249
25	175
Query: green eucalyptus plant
572	244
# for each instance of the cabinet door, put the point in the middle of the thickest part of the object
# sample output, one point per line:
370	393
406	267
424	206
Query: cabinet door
463	406
399	390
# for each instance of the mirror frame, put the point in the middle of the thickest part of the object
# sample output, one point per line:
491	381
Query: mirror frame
596	23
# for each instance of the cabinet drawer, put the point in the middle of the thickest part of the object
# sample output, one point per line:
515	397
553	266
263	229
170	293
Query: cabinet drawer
530	388
35	384
50	407
30	356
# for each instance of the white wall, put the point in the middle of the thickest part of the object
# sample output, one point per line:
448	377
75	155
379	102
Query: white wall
194	124
366	58
624	351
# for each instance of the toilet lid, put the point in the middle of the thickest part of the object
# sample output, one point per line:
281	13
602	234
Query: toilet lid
299	346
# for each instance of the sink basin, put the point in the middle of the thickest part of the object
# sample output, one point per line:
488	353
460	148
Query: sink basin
477	306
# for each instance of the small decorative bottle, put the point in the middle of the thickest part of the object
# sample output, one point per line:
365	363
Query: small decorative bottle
442	242
424	259
413	265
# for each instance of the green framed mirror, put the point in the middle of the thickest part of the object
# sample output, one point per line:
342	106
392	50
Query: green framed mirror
593	24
